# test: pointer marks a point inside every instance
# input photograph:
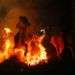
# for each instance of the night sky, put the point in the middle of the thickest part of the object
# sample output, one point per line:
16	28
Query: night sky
52	14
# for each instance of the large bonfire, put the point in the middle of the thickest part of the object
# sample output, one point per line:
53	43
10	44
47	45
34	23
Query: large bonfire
33	54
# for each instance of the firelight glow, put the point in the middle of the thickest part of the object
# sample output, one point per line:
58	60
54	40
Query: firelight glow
33	54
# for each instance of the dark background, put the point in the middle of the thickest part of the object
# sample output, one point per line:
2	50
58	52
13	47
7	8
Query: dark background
56	16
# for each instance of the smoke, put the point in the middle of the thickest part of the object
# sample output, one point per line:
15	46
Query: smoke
10	10
39	13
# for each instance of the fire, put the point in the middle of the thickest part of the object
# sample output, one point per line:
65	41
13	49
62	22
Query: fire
35	52
32	53
7	45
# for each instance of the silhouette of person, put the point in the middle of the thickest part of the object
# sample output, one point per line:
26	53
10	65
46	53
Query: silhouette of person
21	31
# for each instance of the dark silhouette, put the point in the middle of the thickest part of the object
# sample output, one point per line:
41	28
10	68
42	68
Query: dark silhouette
21	30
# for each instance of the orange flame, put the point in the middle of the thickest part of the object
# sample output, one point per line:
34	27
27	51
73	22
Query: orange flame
34	53
7	45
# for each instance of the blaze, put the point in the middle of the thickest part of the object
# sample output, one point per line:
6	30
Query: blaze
7	45
33	54
36	52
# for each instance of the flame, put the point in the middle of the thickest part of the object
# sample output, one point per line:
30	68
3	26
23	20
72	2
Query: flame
32	55
36	51
7	45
